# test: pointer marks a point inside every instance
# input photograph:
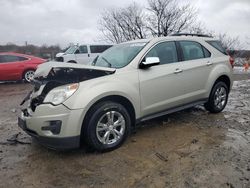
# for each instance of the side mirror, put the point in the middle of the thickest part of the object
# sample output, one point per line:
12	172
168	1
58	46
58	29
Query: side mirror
149	61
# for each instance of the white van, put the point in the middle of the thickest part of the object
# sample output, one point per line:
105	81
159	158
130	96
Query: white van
82	54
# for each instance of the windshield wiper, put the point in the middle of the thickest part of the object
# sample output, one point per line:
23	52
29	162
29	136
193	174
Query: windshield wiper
107	61
95	60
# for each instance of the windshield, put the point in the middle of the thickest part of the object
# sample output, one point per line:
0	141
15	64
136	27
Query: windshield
118	56
71	50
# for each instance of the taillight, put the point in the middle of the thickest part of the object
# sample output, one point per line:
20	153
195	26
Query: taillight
231	61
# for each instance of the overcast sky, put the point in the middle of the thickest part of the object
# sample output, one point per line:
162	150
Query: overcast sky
64	21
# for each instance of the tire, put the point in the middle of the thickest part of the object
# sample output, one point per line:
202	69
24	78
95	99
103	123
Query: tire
100	121
217	98
28	75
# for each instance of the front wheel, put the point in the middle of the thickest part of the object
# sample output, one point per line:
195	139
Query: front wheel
218	98
28	75
107	126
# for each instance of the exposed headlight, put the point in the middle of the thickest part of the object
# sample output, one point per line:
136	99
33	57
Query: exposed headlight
60	94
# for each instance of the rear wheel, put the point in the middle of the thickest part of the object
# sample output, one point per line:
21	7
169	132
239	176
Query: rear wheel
218	98
107	127
28	75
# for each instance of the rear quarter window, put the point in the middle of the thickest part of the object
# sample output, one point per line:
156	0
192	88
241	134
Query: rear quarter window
217	45
22	58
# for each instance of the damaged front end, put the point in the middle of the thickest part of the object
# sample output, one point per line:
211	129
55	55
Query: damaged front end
52	75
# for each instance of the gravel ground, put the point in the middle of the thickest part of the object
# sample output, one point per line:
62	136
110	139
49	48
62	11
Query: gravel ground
191	148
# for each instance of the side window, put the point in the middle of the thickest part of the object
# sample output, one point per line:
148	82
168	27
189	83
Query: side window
166	51
1	59
23	58
206	52
191	50
83	49
9	58
218	45
99	48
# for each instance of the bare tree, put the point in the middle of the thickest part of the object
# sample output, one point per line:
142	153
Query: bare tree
160	18
247	40
167	17
228	42
124	24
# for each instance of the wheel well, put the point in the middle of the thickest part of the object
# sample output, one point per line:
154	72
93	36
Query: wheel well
224	79
71	61
121	100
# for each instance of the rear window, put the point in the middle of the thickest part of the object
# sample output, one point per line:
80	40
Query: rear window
217	44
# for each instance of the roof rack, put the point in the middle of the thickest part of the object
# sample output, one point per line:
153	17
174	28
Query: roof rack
190	34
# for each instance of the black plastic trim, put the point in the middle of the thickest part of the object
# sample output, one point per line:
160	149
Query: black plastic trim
171	110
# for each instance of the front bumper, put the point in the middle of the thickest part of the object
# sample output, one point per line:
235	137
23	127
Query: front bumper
64	136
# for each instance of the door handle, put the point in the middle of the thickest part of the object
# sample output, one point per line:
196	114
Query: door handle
209	63
178	71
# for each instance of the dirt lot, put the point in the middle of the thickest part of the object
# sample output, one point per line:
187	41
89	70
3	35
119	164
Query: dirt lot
192	148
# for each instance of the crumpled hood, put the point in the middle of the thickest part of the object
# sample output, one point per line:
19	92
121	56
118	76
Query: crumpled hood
44	69
54	74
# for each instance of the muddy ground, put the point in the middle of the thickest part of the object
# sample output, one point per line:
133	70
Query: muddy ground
192	148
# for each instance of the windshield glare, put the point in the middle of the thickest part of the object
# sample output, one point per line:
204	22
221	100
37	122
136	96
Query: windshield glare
119	56
71	50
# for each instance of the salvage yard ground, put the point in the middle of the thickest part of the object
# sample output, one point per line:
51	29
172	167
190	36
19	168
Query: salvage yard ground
191	148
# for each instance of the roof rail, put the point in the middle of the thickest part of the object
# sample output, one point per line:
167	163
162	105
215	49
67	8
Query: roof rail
190	34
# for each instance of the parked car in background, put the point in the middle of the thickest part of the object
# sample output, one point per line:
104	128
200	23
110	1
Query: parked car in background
15	66
82	54
127	84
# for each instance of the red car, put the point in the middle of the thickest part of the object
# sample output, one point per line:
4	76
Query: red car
15	66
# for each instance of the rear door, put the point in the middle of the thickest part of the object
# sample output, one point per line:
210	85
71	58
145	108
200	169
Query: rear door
195	66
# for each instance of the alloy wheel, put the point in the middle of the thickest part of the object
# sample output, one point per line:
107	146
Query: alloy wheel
110	127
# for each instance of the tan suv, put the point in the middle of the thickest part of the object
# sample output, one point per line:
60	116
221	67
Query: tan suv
129	83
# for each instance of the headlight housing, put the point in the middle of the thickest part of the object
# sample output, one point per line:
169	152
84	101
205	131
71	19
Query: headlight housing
60	94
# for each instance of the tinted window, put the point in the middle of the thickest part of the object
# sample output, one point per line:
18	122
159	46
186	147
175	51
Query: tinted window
22	58
11	58
191	50
99	48
206	52
166	51
217	44
1	59
83	49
